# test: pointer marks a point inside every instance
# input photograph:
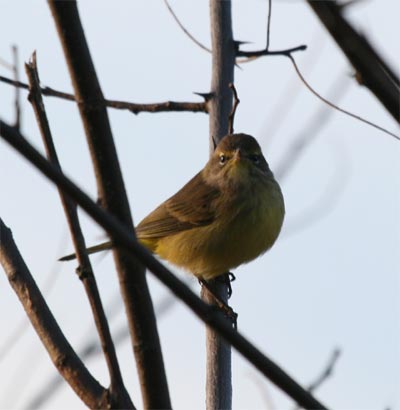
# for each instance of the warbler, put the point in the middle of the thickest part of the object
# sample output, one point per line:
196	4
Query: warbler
228	214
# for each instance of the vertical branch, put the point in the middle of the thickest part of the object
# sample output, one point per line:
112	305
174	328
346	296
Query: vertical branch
219	374
118	393
223	62
112	194
269	24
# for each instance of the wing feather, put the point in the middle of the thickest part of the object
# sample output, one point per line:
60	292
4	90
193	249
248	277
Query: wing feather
192	206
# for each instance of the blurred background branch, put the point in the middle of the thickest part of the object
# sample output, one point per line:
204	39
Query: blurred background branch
371	69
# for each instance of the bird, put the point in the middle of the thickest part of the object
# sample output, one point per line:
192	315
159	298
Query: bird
228	214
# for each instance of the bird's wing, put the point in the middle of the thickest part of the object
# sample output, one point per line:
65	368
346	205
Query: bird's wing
194	205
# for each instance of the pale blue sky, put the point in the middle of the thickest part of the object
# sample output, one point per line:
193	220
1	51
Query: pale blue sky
332	279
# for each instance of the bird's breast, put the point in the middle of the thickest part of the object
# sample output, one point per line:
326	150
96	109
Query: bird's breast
247	224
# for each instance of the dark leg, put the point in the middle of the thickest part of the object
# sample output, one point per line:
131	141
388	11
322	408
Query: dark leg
227	278
227	310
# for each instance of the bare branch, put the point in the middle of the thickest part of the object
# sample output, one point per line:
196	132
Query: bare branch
287	52
111	190
269	24
124	238
283	105
357	117
327	372
218	366
197	42
119	105
92	349
85	271
236	102
371	69
57	346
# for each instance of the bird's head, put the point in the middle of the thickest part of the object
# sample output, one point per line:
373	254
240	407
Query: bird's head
237	158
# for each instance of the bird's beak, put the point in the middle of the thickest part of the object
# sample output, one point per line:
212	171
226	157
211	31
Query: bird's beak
237	156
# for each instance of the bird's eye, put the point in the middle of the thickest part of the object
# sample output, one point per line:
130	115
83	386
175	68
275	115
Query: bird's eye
222	159
255	158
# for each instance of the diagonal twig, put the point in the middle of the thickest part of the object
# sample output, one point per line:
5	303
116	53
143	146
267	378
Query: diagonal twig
183	28
319	96
145	340
118	392
57	346
326	372
91	348
125	238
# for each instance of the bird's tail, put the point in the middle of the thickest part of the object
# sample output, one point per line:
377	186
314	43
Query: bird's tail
93	249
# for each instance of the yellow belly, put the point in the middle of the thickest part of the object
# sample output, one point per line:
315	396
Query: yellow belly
231	240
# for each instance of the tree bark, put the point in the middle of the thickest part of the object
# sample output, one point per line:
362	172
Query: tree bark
219	373
112	194
60	351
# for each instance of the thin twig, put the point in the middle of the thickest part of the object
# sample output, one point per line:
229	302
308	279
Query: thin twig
91	349
325	374
197	42
287	98
57	346
17	98
269	24
126	239
357	117
287	52
120	105
236	102
118	391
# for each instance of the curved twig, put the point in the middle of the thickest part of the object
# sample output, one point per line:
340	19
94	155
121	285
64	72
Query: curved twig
197	42
319	96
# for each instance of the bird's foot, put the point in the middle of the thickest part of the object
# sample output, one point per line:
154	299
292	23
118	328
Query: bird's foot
227	278
226	309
